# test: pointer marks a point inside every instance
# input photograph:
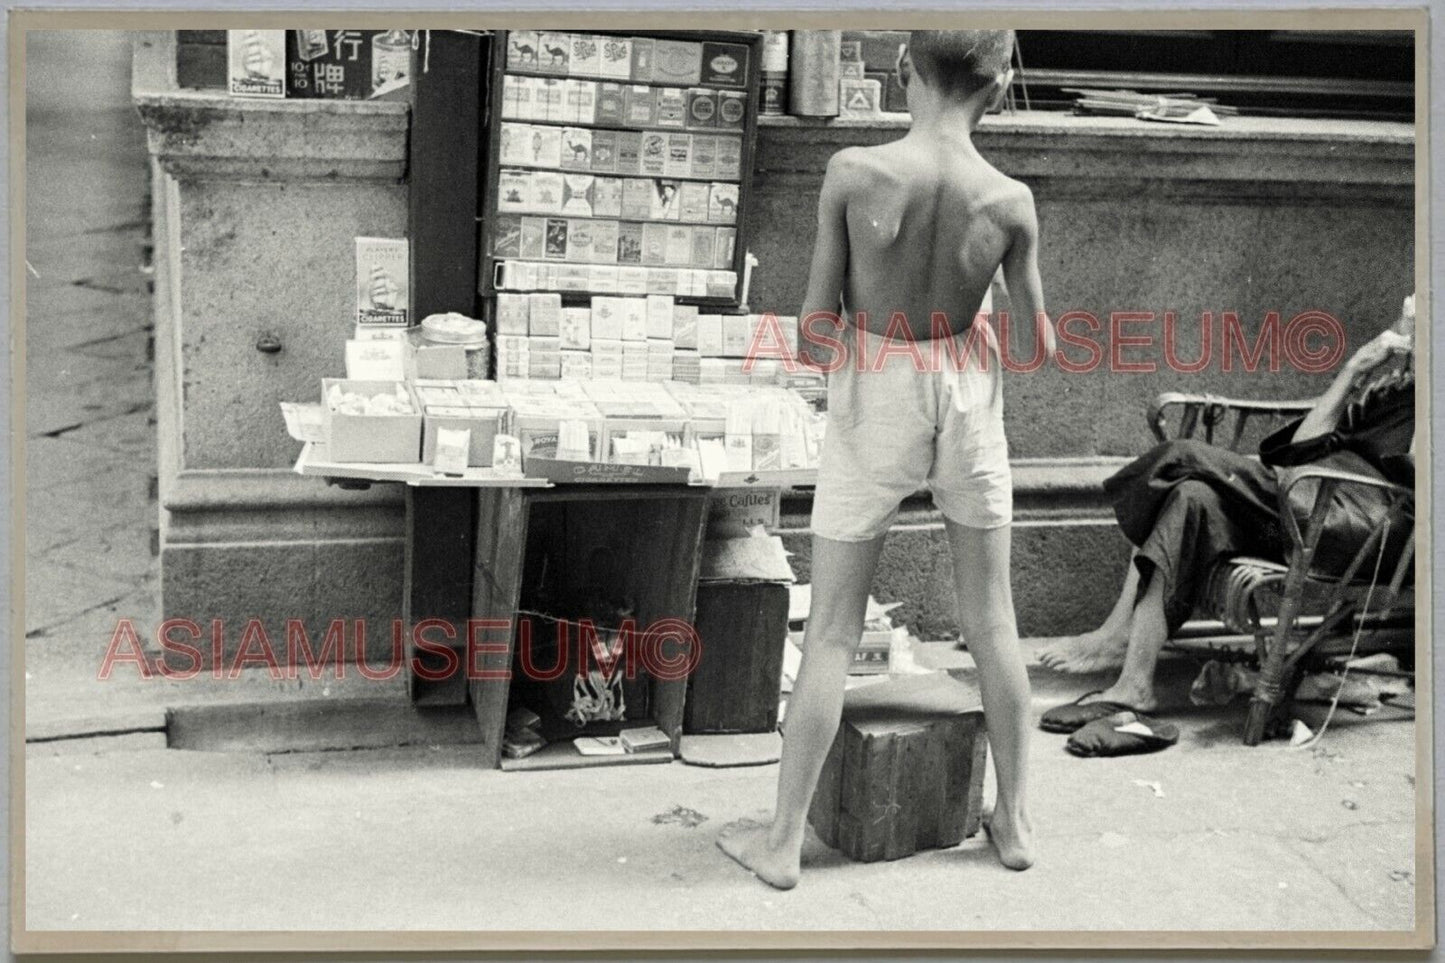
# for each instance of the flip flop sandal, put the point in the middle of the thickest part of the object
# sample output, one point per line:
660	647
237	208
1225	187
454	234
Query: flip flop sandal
1126	733
1077	714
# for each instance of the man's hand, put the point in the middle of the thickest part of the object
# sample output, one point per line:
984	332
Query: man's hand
1378	350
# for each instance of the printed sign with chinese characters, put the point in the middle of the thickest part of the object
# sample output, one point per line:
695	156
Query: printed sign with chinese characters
346	64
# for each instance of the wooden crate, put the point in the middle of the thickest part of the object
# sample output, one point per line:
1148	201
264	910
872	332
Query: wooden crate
738	679
906	770
653	539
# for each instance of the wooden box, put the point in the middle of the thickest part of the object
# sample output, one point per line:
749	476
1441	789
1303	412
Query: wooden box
738	680
906	770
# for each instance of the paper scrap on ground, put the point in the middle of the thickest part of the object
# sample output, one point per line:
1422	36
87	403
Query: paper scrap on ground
1153	787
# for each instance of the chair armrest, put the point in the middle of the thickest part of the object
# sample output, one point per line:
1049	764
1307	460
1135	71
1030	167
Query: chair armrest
1330	479
1212	409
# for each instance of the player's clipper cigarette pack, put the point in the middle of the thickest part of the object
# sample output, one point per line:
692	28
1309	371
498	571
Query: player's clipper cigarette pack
383	293
256	62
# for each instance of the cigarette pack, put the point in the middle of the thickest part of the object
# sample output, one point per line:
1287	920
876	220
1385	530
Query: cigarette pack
671	110
678	249
554	51
576	149
522	47
512	93
725	64
544	314
576	329
604	242
513	313
629	245
603	278
642	59
629	152
660	312
654	243
703	239
653	159
507	236
722	204
701	108
582	101
527	96
693	205
513	144
579	239
382	281
637	194
677	62
586	57
550	102
544	145
256	62
532	243
732	107
610	109
556	239
571	277
721	284
735	335
724	240
704	155
606	192
546	193
631	280
604	151
684	325
577	194
729	164
514	191
616	58
606	321
662	281
634	319
666	202
639	106
678	162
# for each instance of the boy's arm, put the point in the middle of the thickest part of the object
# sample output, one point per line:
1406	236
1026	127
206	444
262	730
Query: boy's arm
830	263
1021	273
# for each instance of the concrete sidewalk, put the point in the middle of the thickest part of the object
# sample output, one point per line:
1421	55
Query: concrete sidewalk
123	833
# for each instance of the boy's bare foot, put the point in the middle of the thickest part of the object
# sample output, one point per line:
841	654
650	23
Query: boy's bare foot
1012	837
746	842
1093	651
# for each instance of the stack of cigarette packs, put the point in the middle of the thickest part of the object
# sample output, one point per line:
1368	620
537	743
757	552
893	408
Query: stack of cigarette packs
620	163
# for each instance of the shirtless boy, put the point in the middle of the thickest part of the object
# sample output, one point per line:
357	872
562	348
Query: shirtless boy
910	235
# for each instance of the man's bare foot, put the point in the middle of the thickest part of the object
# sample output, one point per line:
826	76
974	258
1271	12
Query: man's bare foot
1012	837
746	842
1081	654
1135	697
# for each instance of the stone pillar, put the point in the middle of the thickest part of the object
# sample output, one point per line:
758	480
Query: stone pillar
256	205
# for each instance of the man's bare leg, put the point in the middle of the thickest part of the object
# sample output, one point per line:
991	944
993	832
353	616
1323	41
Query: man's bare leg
1147	635
842	576
986	618
1104	647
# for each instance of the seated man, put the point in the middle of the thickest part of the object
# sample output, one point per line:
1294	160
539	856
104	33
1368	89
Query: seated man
1186	504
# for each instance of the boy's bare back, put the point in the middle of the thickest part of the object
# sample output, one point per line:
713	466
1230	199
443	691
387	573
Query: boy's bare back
928	223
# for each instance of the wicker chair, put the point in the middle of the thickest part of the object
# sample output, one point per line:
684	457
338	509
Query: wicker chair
1286	617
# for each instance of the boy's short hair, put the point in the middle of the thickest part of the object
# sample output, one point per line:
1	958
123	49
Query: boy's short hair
959	62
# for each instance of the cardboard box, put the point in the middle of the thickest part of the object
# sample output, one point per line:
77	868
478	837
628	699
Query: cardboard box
389	439
484	424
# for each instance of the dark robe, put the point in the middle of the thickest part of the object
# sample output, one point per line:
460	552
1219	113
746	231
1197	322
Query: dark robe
1187	504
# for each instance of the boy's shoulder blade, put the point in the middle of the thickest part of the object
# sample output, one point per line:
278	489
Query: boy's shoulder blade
858	165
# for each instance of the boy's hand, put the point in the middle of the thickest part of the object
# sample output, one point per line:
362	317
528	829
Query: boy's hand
1378	350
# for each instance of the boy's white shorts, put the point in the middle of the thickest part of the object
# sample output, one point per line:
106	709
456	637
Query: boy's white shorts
902	416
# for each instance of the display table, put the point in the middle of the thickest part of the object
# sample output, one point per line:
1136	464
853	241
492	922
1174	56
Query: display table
488	549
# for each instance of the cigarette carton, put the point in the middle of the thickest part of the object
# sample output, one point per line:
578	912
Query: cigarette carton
382	281
660	311
256	62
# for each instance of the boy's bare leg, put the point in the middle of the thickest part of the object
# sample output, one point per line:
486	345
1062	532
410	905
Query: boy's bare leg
1104	647
1147	634
986	617
842	576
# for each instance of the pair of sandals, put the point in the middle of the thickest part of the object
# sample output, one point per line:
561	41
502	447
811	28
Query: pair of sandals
1104	728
